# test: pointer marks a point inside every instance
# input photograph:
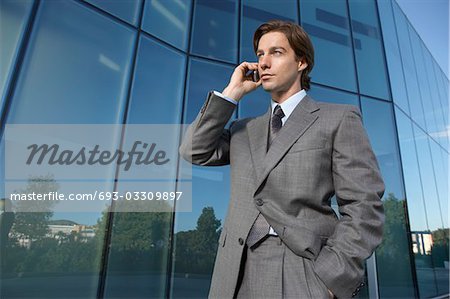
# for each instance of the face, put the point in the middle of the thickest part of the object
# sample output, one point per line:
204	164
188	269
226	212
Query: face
277	65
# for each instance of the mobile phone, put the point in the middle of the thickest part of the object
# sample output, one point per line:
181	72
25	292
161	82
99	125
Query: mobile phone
255	76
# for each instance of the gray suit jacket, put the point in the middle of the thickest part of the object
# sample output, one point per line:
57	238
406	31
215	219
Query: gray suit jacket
321	150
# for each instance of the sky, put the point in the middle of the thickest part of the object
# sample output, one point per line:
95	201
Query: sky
430	18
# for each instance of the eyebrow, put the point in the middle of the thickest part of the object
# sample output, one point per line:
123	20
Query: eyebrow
271	49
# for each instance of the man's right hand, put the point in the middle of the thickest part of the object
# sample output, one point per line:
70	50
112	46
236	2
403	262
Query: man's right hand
240	84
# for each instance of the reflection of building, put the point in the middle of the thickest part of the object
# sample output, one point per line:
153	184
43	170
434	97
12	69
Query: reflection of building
62	231
422	242
136	61
81	231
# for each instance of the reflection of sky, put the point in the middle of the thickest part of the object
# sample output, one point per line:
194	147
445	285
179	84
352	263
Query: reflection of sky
416	208
66	49
431	20
381	133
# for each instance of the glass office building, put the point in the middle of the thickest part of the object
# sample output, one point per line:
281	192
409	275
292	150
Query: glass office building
153	62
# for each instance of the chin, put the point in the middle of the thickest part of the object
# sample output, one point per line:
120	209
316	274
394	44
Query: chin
267	87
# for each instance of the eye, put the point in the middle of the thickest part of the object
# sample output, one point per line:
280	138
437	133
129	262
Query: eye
278	52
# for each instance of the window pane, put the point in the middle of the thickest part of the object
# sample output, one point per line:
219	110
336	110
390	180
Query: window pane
157	94
53	86
420	114
197	232
324	94
443	101
432	208
409	66
138	256
137	263
204	76
13	17
393	255
72	70
416	207
393	57
256	12
327	24
440	249
126	10
254	103
215	29
368	50
168	20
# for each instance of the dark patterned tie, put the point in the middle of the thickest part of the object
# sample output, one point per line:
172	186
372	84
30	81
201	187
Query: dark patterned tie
276	123
261	227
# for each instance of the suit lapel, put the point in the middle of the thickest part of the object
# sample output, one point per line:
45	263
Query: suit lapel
258	132
298	122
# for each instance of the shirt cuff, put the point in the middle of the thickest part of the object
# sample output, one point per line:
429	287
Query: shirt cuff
224	97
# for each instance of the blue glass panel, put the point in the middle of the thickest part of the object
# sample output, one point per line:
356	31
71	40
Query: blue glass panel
435	217
419	114
13	17
441	238
168	20
409	67
324	94
424	79
214	32
393	259
126	10
156	99
72	72
441	179
210	196
328	26
393	57
369	54
256	12
157	93
432	208
433	109
254	103
416	207
204	76
441	94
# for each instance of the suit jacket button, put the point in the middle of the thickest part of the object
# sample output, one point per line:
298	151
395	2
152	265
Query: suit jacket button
354	294
362	284
259	202
241	241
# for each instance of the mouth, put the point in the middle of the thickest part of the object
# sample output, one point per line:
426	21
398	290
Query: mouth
266	76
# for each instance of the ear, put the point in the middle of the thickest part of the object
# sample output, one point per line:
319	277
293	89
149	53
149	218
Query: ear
301	65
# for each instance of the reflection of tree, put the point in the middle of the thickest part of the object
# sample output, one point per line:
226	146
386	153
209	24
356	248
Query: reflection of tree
139	239
31	247
439	250
30	225
196	249
392	254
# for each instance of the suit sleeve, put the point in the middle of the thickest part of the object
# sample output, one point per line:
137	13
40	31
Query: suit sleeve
359	189
206	141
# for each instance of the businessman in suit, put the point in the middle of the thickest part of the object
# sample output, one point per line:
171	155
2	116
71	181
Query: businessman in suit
281	238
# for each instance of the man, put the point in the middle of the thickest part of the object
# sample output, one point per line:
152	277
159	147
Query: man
281	238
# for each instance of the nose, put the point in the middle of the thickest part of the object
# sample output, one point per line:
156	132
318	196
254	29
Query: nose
264	62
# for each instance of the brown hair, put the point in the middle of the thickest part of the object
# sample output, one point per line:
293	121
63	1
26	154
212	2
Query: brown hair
298	40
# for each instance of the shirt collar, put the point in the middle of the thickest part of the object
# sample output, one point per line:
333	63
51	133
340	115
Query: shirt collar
289	104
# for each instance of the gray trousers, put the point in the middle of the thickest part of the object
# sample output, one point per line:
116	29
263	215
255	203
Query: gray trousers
271	270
